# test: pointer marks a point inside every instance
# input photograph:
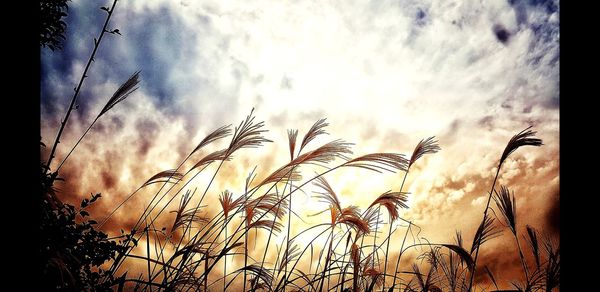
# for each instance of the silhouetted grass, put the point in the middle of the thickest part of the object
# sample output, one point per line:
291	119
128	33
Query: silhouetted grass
262	208
183	257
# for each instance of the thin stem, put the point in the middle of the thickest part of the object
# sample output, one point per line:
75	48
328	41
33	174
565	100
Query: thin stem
78	88
387	248
225	260
162	247
327	258
117	208
400	256
525	270
195	210
355	277
262	263
118	261
289	226
330	253
151	207
487	206
278	202
199	202
195	237
341	280
375	253
148	249
77	143
286	279
245	252
206	255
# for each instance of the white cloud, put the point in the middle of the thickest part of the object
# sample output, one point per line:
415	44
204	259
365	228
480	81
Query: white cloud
360	60
479	201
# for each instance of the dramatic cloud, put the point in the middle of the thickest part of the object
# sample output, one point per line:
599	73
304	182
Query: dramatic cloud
385	74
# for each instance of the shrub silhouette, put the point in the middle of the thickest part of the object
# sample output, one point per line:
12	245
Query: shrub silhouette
71	248
52	25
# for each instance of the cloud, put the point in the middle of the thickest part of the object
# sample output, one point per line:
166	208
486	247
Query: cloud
385	74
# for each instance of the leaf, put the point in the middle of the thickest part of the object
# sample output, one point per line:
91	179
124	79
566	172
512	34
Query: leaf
84	213
463	254
487	270
533	244
485	232
121	282
95	197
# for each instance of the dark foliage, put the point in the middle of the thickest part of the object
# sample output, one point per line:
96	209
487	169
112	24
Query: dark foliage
71	250
52	25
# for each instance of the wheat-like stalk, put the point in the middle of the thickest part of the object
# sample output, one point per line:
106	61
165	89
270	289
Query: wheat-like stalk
328	195
425	146
219	155
552	269
379	162
247	135
324	154
508	207
392	202
316	130
534	245
463	254
207	247
122	92
167	176
523	138
84	75
127	88
215	135
227	204
485	232
292	136
351	217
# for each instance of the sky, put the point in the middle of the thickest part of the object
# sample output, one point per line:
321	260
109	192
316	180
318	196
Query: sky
385	74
